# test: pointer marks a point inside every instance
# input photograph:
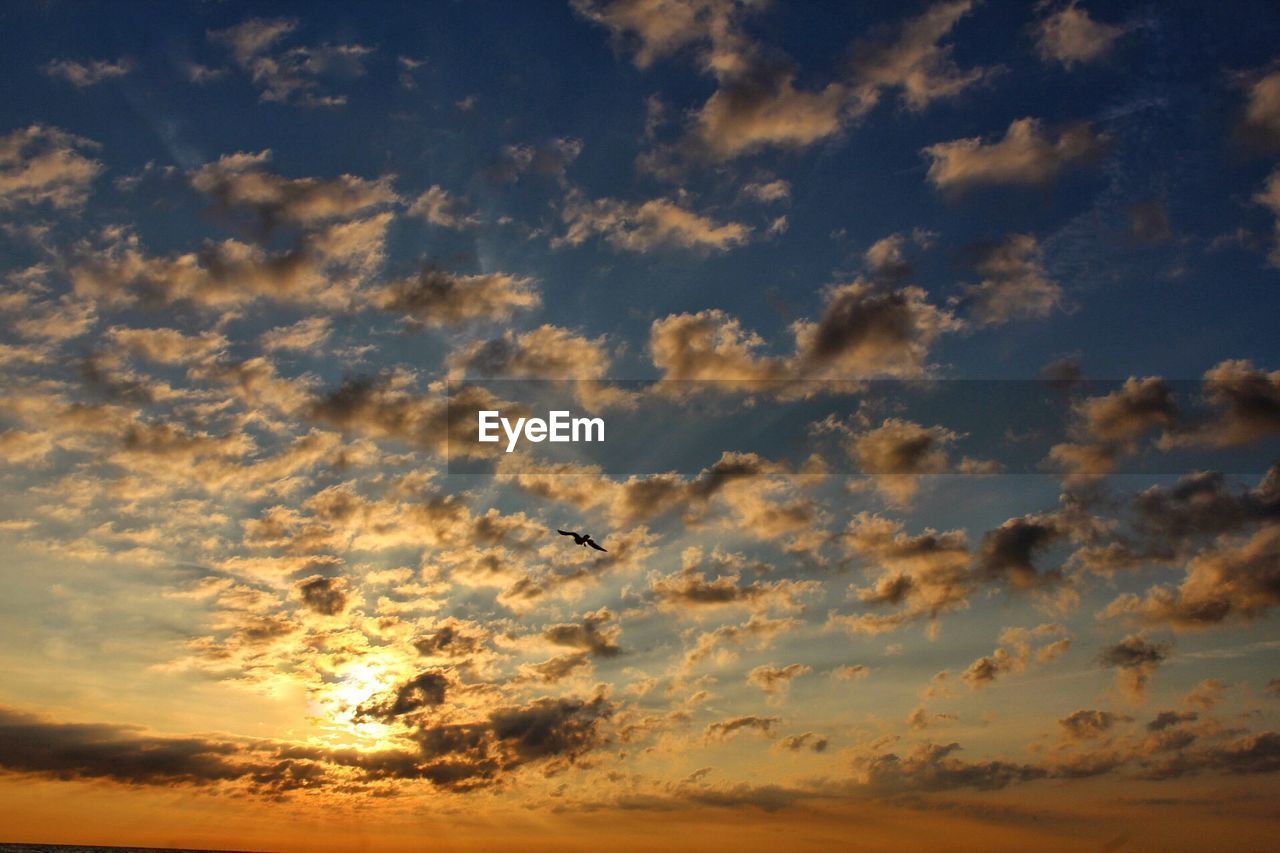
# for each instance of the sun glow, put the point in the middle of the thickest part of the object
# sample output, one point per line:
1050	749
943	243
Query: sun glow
338	703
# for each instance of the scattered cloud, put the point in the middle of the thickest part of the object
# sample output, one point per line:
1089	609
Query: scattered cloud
1027	155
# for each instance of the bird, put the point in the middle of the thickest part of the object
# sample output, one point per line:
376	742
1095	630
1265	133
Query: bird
583	539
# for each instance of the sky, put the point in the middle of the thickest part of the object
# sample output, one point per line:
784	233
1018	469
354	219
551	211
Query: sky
936	349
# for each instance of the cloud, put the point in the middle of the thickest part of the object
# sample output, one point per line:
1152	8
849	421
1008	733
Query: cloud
167	346
739	489
1016	657
1246	401
436	297
897	453
932	767
85	74
550	159
767	192
290	75
326	266
911	61
1069	36
1014	284
885	260
804	740
691	589
1233	580
1027	155
776	680
645	226
123	754
922	576
547	352
1168	719
451	638
438	207
557	669
424	690
44	165
1007	553
1136	659
20	448
561	729
1262	106
306	334
384	407
1109	426
864	332
850	672
758	106
337	233
588	635
652	29
1252	753
726	729
1086	725
758	632
241	180
1200	504
1268	196
326	596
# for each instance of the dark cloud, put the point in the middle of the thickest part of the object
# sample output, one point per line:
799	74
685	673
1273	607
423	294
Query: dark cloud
1251	754
588	635
241	181
1136	659
932	767
1238	580
725	729
385	407
1007	553
120	753
1168	719
805	740
774	680
1133	651
1081	725
1109	426
423	691
326	596
864	331
561	729
1246	404
557	669
438	298
450	640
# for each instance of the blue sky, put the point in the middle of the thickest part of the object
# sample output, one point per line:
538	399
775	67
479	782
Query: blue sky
249	249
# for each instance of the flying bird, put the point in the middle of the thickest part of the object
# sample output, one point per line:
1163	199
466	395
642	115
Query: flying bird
583	539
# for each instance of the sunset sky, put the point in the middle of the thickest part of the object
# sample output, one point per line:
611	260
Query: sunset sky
937	349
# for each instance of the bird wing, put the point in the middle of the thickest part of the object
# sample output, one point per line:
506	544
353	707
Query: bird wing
565	532
595	545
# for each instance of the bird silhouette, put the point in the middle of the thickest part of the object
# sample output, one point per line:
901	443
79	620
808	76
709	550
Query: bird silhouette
583	539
